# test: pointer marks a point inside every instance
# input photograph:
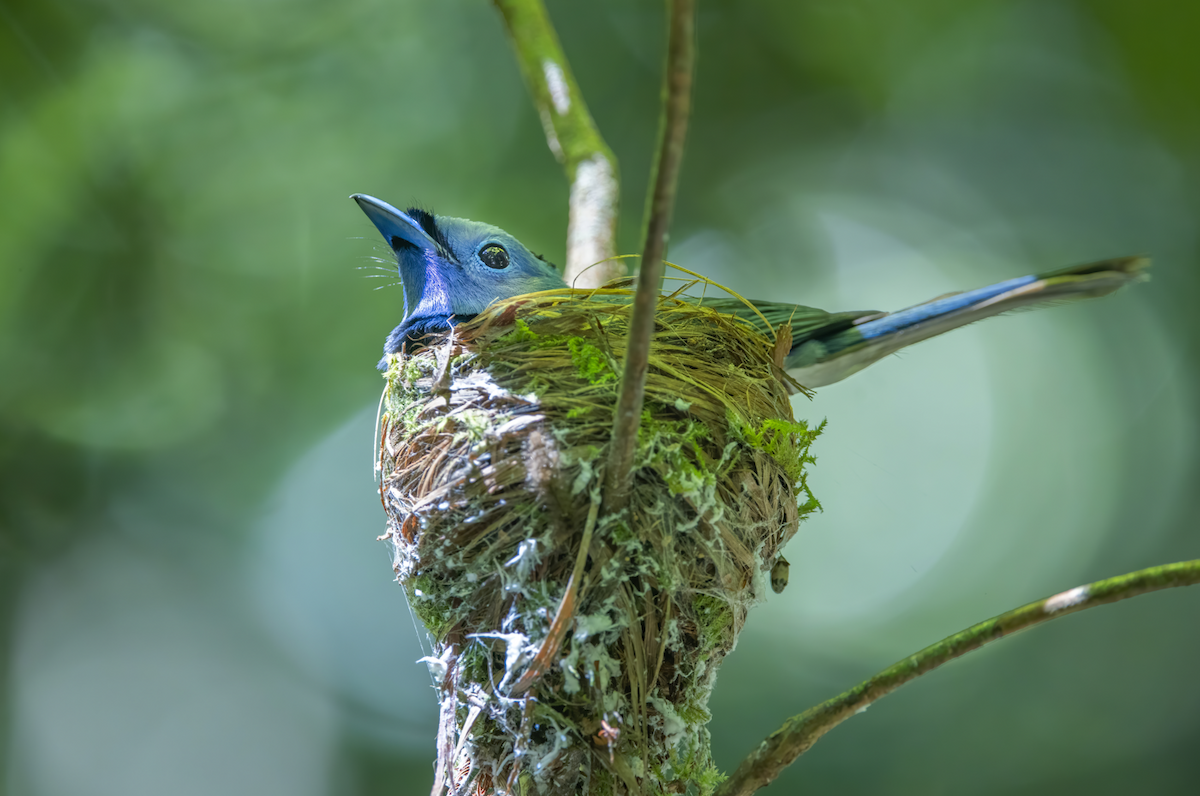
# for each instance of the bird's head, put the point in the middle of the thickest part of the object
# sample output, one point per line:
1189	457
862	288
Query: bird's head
452	266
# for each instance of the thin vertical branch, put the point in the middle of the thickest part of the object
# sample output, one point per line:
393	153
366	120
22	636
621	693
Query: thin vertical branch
673	122
590	165
799	733
677	100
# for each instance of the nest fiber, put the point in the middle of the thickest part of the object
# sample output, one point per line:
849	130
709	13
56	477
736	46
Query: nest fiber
575	648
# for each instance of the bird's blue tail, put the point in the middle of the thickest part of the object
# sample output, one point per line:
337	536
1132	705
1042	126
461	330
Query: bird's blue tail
827	354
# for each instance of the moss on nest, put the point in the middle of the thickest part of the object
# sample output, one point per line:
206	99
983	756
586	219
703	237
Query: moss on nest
586	670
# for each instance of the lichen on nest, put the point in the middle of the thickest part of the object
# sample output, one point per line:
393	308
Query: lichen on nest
575	649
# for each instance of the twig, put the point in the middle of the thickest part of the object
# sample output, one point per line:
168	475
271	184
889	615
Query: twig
562	617
571	133
677	100
676	106
800	732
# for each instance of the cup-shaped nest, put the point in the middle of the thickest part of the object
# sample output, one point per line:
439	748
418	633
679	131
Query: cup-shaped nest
575	648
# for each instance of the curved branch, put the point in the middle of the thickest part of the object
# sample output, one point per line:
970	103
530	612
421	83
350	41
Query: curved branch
677	101
574	139
800	732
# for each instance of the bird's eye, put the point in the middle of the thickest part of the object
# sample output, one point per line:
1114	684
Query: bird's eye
494	256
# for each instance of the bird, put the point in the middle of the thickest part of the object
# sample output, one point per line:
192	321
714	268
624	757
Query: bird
452	268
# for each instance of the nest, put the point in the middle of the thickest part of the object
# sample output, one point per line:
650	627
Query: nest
575	648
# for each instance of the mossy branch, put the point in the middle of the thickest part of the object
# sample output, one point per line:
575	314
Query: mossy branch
590	165
800	732
677	100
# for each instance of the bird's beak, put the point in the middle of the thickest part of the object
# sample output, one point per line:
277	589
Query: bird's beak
393	223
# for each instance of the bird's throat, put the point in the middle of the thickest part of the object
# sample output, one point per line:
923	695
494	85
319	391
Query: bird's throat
426	289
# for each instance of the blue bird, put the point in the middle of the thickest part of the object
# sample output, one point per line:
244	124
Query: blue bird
452	268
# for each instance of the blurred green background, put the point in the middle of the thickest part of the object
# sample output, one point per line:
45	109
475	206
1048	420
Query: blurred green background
192	600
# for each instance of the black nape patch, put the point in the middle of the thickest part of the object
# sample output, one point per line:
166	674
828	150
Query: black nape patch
547	262
428	223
